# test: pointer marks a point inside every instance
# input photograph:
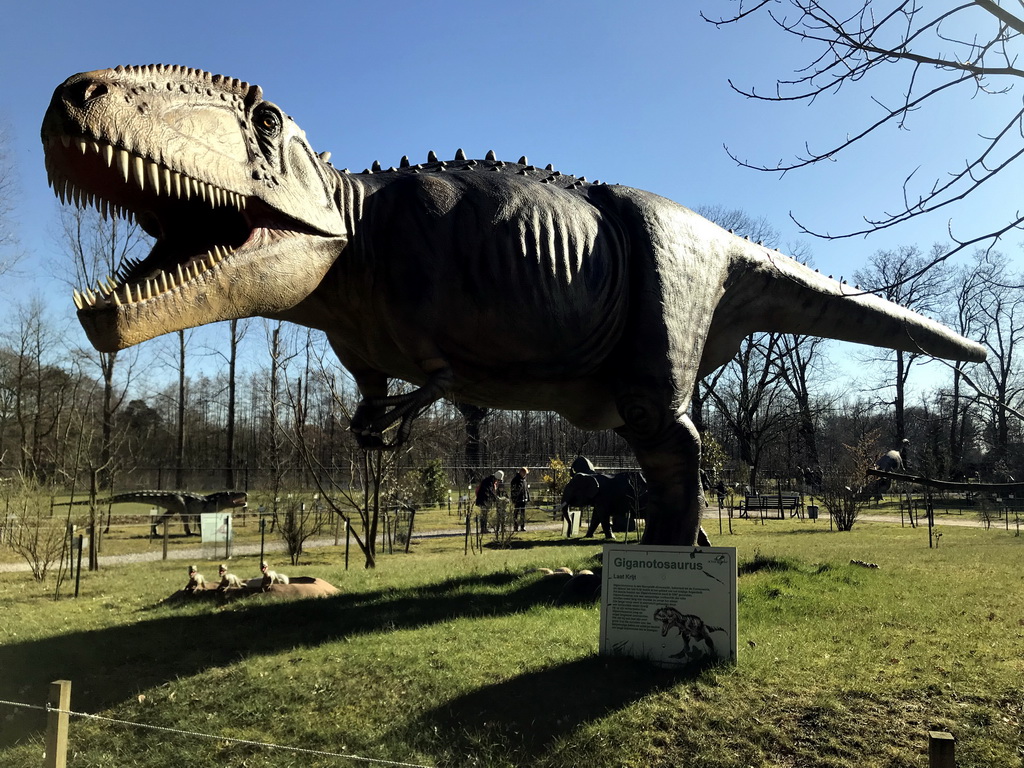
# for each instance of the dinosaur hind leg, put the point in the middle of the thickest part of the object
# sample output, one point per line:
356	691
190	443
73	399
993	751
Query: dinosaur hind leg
374	415
162	518
667	447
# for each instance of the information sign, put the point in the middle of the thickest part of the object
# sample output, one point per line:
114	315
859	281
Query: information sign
218	533
571	523
675	606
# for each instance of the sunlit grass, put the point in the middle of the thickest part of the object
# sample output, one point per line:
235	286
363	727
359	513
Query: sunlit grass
439	658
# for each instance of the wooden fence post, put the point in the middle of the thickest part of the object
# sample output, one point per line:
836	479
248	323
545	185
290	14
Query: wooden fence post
941	750
57	724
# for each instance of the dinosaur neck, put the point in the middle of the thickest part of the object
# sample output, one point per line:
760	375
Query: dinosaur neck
350	197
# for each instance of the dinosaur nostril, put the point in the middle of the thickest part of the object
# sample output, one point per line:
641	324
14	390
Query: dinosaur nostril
81	93
95	90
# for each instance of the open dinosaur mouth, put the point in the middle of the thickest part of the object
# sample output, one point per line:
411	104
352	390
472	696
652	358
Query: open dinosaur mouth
197	225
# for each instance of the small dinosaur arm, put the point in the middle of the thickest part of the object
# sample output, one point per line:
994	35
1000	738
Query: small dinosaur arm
496	284
183	503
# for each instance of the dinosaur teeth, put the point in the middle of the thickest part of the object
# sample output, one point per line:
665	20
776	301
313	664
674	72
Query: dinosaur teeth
140	172
153	176
122	163
138	168
114	291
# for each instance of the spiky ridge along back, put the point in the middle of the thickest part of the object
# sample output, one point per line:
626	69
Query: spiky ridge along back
490	163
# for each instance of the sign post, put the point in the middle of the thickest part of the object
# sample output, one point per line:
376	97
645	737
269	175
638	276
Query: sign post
675	606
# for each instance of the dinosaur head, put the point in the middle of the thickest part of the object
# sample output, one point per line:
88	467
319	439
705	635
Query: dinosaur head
242	209
228	499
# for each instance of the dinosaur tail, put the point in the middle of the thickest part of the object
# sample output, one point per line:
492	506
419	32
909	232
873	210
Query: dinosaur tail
788	297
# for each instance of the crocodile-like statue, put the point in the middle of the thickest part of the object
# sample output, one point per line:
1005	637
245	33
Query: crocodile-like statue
183	503
493	283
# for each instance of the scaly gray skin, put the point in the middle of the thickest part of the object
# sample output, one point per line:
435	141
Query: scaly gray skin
183	503
495	284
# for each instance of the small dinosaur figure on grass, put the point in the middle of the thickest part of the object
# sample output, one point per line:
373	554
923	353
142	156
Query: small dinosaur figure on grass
228	580
271	577
189	506
491	283
196	582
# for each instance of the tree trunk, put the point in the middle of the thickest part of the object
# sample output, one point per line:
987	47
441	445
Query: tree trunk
229	453
179	452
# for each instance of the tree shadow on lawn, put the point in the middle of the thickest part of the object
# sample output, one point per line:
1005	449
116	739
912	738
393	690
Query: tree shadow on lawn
107	666
528	714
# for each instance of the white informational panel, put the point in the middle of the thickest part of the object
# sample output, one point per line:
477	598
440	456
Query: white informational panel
675	606
571	527
218	534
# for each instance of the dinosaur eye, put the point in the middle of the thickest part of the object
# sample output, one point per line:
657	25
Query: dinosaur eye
267	121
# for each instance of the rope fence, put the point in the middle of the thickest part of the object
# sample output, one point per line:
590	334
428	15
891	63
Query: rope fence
57	732
941	745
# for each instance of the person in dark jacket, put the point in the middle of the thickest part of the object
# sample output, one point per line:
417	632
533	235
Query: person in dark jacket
487	496
520	493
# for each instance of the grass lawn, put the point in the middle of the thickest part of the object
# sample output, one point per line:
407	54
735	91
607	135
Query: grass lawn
441	659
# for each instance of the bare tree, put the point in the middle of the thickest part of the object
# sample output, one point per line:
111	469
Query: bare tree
101	248
964	52
965	317
799	359
40	389
8	239
179	438
842	487
1000	310
901	276
738	221
36	535
751	397
237	331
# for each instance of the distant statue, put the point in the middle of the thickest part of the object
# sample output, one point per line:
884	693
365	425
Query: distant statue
890	461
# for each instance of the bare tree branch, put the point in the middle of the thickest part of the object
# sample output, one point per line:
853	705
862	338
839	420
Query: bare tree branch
935	55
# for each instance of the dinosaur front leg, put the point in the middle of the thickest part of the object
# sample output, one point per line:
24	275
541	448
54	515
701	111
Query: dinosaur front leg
376	413
667	447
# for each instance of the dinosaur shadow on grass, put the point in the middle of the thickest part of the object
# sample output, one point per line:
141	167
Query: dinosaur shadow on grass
527	715
107	666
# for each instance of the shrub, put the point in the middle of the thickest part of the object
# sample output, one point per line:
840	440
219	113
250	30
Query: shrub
434	483
558	477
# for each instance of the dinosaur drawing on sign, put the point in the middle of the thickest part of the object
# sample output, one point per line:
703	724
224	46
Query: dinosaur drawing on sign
491	283
691	628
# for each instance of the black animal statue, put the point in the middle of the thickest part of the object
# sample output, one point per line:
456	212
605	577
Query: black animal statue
616	499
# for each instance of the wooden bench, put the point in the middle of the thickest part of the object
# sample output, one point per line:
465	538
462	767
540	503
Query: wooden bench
770	503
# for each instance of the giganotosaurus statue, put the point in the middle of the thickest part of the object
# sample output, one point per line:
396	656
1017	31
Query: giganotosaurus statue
496	284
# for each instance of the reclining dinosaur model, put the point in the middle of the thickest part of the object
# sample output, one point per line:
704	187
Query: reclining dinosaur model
497	284
183	503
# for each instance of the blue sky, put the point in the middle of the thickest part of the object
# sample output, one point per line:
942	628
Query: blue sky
633	93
